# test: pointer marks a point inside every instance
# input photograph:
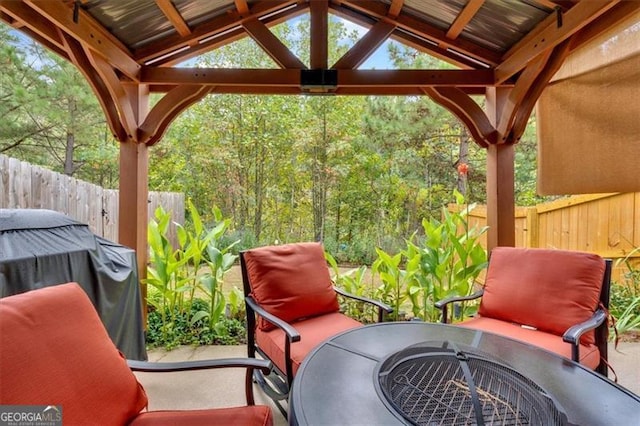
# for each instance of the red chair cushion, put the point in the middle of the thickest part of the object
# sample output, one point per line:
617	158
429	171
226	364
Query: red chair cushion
589	354
56	351
290	281
550	290
254	415
313	331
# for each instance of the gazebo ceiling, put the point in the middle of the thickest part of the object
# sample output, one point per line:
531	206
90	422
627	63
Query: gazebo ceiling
490	41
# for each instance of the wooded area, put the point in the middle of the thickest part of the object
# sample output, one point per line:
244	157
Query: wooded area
25	186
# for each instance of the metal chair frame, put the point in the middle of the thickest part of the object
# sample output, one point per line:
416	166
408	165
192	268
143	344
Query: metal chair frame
278	383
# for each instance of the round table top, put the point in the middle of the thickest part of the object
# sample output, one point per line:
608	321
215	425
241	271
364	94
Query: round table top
335	383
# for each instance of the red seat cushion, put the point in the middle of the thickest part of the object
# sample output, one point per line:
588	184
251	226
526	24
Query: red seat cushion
589	354
258	415
550	290
290	281
313	331
56	351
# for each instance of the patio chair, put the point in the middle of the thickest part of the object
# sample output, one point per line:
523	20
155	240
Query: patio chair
292	306
55	350
555	299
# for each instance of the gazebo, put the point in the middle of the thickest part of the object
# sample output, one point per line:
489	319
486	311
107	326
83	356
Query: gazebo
506	51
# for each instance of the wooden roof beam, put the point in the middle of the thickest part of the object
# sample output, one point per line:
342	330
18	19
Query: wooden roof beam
272	45
29	18
221	76
395	8
379	11
219	25
552	4
419	43
553	64
118	94
366	46
578	17
81	61
89	34
221	39
174	16
467	110
518	95
242	6
278	78
465	16
606	21
415	78
319	49
167	109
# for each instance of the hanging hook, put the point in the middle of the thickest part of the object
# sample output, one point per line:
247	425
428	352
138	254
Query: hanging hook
76	10
558	16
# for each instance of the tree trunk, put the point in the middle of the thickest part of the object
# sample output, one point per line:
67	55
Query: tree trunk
69	166
319	180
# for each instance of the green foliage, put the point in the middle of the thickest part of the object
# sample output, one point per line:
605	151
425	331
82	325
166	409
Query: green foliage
625	297
182	330
394	280
50	116
176	275
353	282
446	263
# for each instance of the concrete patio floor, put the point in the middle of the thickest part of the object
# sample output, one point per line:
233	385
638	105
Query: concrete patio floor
225	387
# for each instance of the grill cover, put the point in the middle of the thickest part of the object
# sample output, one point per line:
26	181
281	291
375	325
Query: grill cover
41	248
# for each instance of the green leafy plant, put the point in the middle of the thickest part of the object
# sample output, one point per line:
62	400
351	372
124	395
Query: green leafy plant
165	272
183	331
446	263
625	297
354	282
394	280
176	275
219	260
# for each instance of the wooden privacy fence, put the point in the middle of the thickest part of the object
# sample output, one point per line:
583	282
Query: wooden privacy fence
606	224
25	186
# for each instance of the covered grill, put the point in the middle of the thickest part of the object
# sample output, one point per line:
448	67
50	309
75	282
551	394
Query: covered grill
442	383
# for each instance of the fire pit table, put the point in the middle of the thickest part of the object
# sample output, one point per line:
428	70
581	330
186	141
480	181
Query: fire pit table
437	374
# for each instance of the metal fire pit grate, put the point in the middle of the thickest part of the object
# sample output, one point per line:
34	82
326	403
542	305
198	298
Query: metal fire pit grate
437	383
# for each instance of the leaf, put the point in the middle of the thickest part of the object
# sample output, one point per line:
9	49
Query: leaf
198	316
208	282
195	217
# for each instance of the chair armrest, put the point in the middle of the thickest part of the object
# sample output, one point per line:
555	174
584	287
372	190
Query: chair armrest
165	367
442	304
250	364
292	333
382	307
573	334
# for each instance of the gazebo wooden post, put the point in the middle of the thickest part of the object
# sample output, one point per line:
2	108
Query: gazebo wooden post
500	196
500	176
134	188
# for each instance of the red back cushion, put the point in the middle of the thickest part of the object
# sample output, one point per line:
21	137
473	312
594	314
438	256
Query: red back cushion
290	281
550	290
55	351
